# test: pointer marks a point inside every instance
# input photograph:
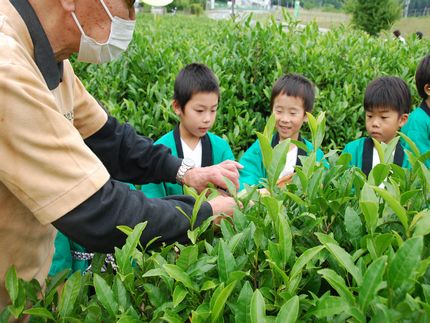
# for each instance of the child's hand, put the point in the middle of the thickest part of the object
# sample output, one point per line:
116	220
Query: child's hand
284	180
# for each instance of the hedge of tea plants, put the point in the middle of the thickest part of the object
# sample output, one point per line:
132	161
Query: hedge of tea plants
248	57
333	246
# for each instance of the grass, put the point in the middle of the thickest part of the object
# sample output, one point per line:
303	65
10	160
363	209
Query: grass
324	19
410	25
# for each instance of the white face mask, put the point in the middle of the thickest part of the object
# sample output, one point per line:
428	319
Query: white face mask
121	34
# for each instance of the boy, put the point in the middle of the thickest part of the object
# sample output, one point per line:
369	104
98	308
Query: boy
292	96
387	102
418	126
195	102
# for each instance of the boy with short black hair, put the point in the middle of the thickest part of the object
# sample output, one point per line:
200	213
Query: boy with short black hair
292	96
195	102
418	126
387	103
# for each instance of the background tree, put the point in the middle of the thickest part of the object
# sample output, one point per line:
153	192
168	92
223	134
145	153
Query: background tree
374	16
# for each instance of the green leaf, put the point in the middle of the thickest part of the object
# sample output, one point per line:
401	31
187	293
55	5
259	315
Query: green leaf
258	308
369	206
70	294
266	150
422	227
188	257
277	164
295	198
105	295
378	174
12	284
270	127
218	300
243	307
352	224
371	282
179	275
285	238
289	312
124	256
226	261
329	306
197	205
178	295
410	143
120	293
303	260
394	204
407	258
345	260
156	272
209	284
379	150
338	284
39	312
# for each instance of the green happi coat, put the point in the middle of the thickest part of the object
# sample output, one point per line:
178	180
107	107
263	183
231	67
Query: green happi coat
418	129
361	151
253	172
214	151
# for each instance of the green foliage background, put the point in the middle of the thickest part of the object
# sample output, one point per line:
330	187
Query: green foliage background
247	58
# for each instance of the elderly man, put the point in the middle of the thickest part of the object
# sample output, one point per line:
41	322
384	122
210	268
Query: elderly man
62	158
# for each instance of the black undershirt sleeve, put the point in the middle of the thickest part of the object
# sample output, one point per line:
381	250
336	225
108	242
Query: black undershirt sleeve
132	158
93	224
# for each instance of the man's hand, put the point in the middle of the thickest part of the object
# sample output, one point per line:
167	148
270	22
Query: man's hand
222	206
199	178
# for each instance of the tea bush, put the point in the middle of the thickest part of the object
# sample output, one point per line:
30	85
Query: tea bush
333	246
247	57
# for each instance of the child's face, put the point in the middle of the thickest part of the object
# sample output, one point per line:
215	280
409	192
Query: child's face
198	115
383	123
289	115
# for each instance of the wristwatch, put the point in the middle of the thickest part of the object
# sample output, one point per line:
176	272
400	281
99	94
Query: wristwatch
186	165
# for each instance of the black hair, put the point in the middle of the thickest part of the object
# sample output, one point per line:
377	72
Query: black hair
297	86
396	33
422	76
194	78
419	34
388	91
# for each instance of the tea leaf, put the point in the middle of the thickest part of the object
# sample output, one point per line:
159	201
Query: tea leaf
178	295
338	284
345	260
371	282
258	308
243	308
105	295
218	300
289	311
401	268
70	294
179	275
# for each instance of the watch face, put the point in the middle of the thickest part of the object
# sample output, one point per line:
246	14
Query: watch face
188	162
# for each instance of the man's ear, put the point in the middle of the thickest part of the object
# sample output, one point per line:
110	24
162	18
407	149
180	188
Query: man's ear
403	119
177	108
68	5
